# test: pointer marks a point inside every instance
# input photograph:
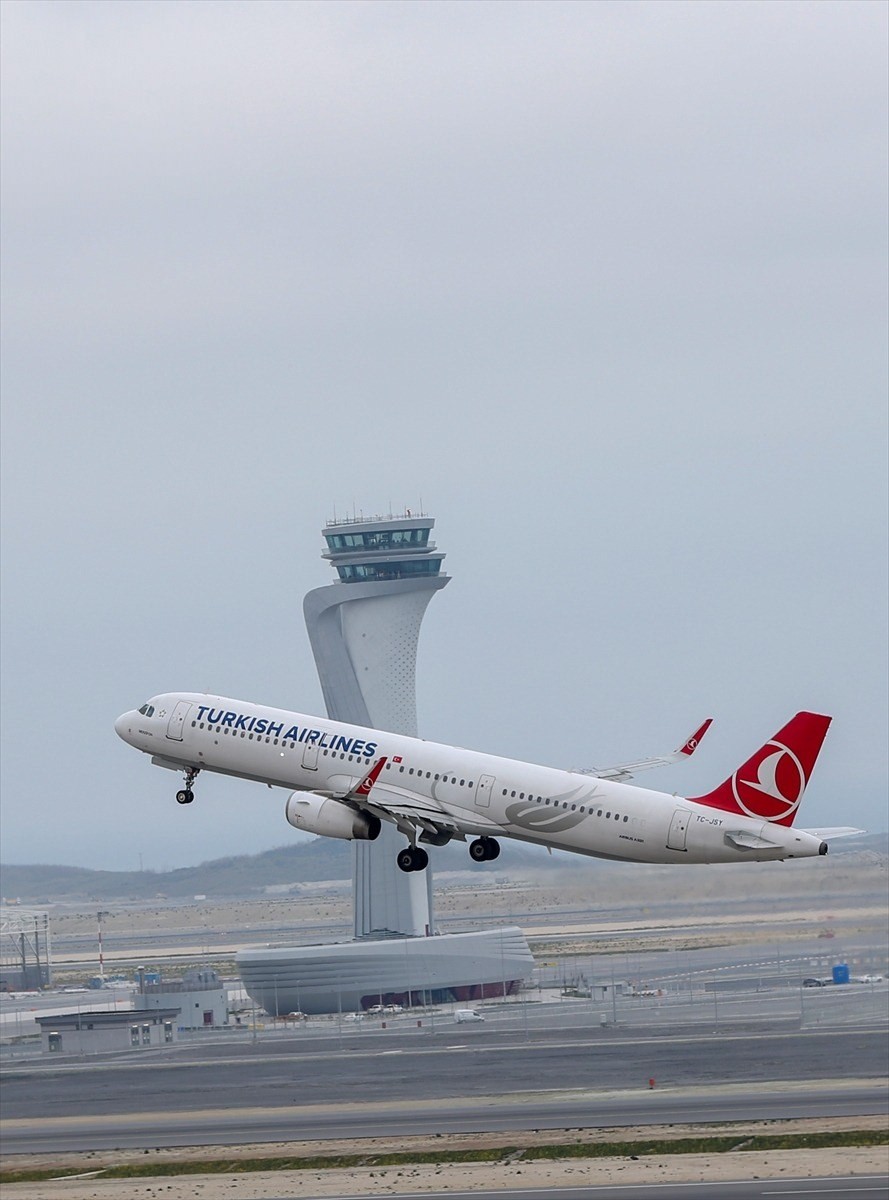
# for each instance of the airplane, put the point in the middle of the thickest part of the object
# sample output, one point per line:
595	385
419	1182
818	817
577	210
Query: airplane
347	780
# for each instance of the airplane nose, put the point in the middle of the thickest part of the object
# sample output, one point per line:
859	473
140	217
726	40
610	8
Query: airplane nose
122	725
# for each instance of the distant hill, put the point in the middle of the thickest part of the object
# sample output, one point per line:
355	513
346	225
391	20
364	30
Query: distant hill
241	875
322	859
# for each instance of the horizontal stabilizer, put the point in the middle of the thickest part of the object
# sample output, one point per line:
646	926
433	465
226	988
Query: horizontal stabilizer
835	831
748	841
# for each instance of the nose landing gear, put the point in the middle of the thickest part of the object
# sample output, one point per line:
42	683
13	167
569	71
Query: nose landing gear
186	795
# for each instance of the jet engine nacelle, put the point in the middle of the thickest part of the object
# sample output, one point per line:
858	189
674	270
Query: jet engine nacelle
330	818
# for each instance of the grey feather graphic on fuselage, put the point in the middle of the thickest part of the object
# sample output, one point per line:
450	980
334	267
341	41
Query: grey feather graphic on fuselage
554	818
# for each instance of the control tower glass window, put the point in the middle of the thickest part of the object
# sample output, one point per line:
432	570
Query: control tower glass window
382	539
389	570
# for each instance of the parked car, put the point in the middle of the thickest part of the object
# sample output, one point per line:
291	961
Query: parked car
812	982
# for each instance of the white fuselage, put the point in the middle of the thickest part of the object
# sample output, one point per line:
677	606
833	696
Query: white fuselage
485	794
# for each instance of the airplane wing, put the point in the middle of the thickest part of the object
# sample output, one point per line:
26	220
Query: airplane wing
628	770
408	810
438	821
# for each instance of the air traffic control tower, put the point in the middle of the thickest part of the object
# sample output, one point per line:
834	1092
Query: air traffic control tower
364	631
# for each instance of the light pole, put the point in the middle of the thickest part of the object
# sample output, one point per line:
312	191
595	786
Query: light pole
99	917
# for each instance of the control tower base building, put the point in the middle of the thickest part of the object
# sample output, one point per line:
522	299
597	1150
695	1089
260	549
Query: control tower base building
364	631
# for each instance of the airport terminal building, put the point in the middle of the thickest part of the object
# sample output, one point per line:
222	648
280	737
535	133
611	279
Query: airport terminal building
412	972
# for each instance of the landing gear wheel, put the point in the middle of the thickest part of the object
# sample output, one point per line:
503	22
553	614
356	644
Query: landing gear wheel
484	849
412	858
186	795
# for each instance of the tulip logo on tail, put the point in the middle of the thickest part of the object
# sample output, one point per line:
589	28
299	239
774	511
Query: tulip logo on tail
770	786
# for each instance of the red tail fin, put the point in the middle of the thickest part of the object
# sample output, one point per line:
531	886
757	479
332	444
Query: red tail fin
770	785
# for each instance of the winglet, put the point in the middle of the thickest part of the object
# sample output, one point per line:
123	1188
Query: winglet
362	791
627	770
695	740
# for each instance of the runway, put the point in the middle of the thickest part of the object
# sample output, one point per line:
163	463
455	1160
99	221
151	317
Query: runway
306	1123
461	1080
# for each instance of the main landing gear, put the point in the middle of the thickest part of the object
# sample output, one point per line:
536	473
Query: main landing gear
186	795
413	858
484	849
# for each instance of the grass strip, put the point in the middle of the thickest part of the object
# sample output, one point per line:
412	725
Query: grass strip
407	1158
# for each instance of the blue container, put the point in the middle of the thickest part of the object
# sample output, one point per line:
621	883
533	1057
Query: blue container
841	973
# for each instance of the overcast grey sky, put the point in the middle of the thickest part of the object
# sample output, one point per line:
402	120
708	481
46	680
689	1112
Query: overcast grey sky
601	285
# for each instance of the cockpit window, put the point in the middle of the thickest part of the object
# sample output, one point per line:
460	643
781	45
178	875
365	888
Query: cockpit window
147	710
